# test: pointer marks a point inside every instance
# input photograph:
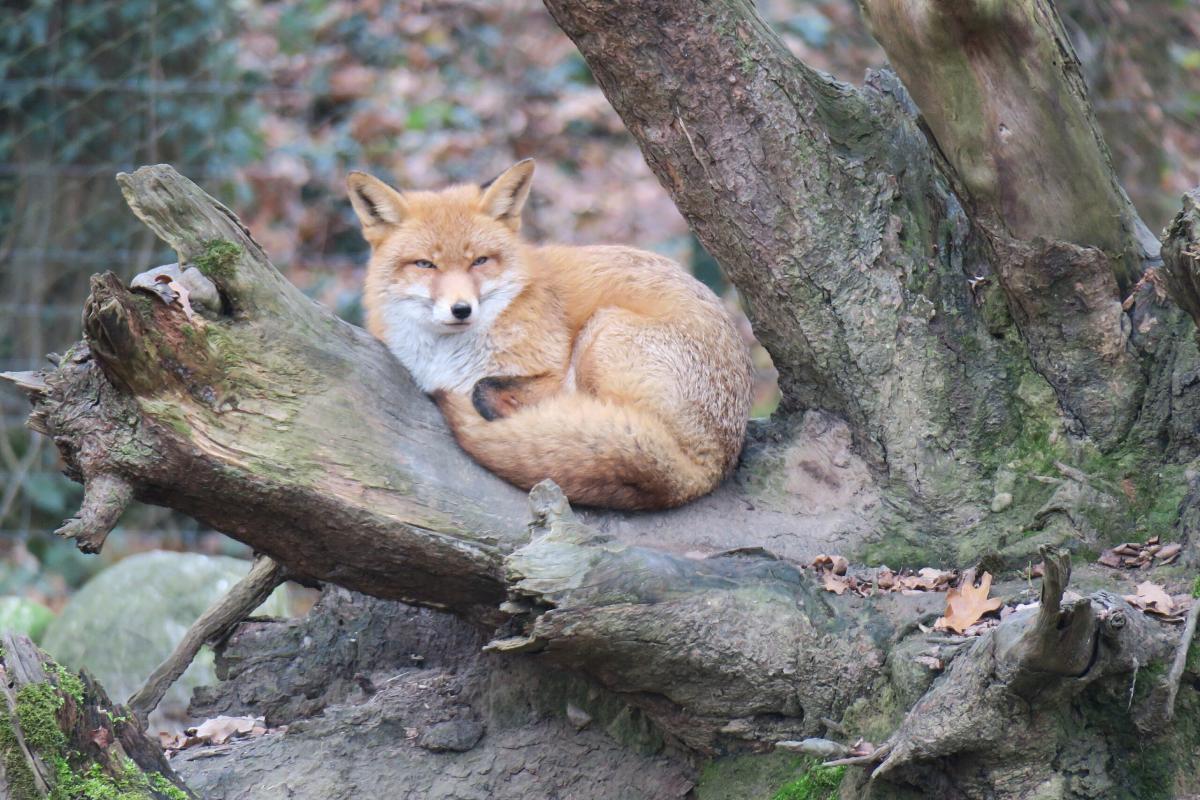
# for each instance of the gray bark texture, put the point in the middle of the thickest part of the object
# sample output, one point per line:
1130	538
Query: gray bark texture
984	361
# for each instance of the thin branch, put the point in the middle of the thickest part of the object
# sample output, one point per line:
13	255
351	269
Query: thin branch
215	623
1181	655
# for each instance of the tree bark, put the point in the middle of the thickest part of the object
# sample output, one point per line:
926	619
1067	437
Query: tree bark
59	732
971	370
246	402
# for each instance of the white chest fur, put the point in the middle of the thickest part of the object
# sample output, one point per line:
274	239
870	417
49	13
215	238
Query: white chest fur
453	362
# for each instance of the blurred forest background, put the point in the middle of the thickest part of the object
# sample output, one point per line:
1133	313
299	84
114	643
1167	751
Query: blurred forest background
269	104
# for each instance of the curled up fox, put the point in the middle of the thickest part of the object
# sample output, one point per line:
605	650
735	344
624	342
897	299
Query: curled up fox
609	370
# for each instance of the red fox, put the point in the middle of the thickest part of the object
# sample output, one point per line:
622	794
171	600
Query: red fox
609	370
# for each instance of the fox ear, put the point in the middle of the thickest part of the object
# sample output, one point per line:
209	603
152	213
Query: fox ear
504	196
377	204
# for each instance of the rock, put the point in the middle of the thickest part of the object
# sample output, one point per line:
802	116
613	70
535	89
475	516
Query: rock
122	623
18	615
1001	501
455	736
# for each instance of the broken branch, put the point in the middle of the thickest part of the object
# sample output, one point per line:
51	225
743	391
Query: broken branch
214	624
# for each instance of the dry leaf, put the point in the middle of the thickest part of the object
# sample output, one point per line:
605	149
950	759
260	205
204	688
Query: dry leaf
1135	555
219	730
101	737
1153	599
181	298
966	603
885	578
834	583
1169	552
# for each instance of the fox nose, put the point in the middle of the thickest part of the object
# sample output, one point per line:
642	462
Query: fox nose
461	310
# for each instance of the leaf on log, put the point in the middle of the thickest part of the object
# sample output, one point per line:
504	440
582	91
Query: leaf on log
1153	599
967	603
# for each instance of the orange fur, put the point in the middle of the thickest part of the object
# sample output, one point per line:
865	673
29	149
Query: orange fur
610	370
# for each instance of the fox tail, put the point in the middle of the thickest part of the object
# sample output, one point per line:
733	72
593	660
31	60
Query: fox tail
599	452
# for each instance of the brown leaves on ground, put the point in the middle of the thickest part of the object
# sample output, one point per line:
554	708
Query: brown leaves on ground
833	572
217	730
967	603
1154	599
1139	555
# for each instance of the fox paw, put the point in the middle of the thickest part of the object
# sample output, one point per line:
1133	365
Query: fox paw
496	397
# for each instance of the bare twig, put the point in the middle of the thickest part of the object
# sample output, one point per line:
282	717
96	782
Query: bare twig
1181	655
245	596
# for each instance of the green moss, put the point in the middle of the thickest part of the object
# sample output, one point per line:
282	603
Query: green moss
37	709
144	304
1196	587
874	718
160	784
995	311
817	783
634	729
37	715
69	683
130	783
218	259
897	552
168	412
1157	768
17	774
749	777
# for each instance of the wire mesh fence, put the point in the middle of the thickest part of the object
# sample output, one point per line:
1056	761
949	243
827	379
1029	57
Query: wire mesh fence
87	90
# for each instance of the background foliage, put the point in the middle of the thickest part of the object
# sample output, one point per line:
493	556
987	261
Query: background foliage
269	104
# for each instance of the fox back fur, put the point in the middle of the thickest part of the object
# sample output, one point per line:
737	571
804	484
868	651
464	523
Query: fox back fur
609	370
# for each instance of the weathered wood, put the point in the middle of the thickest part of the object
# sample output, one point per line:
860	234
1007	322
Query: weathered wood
265	417
1003	693
1181	256
61	736
105	497
1001	91
327	456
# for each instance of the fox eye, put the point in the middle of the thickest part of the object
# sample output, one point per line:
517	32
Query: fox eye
479	261
424	264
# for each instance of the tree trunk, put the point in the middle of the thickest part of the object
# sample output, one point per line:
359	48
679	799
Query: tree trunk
981	360
59	732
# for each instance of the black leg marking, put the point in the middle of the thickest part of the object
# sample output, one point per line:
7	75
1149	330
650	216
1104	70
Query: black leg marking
483	398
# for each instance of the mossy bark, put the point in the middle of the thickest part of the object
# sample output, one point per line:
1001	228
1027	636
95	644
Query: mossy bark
964	379
62	738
